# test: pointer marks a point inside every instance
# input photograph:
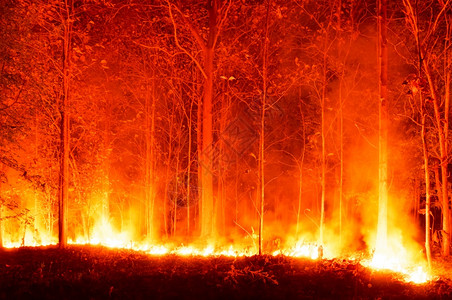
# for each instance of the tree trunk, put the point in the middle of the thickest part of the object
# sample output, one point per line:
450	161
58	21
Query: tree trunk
36	210
205	136
149	158
341	161
189	166
207	148
107	145
261	192
200	158
382	227
427	186
220	203
442	124
447	72
176	189
447	82
64	136
445	148
207	205
443	162
323	137
2	168
300	167
167	175
341	125
1	225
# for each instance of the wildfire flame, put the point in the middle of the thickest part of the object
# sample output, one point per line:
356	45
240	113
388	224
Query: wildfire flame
302	249
399	262
396	259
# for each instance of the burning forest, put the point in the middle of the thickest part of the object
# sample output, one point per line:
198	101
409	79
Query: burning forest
295	148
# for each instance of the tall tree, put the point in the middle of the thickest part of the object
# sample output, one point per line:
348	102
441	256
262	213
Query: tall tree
67	20
382	229
433	49
425	154
217	13
261	192
149	109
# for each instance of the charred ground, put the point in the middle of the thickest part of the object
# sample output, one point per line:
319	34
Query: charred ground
87	272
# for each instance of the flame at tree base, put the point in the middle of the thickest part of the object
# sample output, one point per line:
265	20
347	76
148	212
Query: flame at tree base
395	258
411	273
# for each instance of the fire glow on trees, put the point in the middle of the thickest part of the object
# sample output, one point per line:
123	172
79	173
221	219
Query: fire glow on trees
228	127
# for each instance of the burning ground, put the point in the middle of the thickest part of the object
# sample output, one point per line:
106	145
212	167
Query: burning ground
79	272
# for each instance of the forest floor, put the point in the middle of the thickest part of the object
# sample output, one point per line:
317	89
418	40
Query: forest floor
91	272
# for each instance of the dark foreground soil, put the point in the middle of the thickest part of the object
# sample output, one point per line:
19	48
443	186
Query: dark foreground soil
87	272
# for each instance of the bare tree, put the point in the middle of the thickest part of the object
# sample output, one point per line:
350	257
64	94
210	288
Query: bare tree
434	37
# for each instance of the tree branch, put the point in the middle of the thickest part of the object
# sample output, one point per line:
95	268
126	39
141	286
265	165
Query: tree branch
195	34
